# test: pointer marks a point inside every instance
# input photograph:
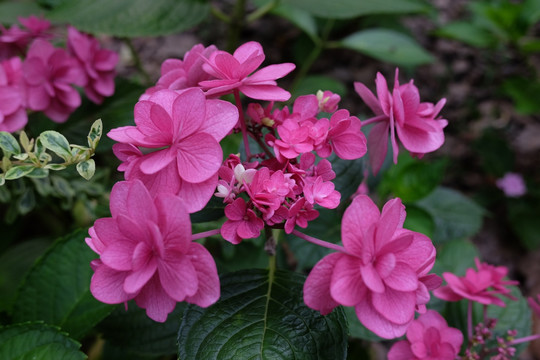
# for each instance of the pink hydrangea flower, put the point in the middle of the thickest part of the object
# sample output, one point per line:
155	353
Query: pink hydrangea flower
328	101
233	72
428	338
183	130
242	223
481	286
401	114
13	115
49	74
146	254
98	64
512	184
179	74
13	41
383	272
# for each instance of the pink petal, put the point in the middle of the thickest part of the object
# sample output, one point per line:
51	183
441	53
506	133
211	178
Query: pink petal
197	195
371	278
189	112
247	50
155	300
317	285
265	92
199	157
208	291
271	72
377	144
157	160
383	94
373	320
118	255
107	285
367	96
347	286
140	204
400	351
350	146
402	278
38	98
221	117
137	279
357	219
177	276
396	306
391	218
174	222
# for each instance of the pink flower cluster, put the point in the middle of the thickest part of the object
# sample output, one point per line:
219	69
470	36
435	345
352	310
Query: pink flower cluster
428	338
44	80
383	271
401	114
481	286
146	254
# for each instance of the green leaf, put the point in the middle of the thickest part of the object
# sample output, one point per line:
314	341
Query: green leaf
10	10
62	187
136	334
38	173
26	202
57	143
522	92
18	171
523	219
346	9
37	341
467	32
299	17
95	133
55	167
57	289
412	179
86	168
261	315
455	215
14	263
132	18
496	156
388	46
349	175
419	220
9	144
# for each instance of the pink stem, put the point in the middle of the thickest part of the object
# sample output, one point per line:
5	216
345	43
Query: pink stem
242	121
524	339
374	119
205	234
320	242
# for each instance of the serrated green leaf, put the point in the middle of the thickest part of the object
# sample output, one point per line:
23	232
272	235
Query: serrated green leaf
135	333
18	171
388	46
86	168
9	144
57	289
261	315
455	215
346	9
37	341
57	143
131	18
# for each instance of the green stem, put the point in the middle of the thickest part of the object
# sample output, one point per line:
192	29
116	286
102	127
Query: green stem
137	60
220	15
320	44
260	12
236	24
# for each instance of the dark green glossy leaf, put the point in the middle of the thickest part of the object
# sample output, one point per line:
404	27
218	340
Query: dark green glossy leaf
135	334
37	341
57	289
131	18
455	215
388	46
261	315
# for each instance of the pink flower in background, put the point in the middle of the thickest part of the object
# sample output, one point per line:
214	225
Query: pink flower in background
328	101
183	130
401	114
383	273
13	115
534	304
13	41
98	64
242	223
428	338
512	184
49	74
146	254
233	72
179	74
481	286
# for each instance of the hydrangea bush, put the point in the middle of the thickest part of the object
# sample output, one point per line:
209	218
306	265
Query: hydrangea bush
159	250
